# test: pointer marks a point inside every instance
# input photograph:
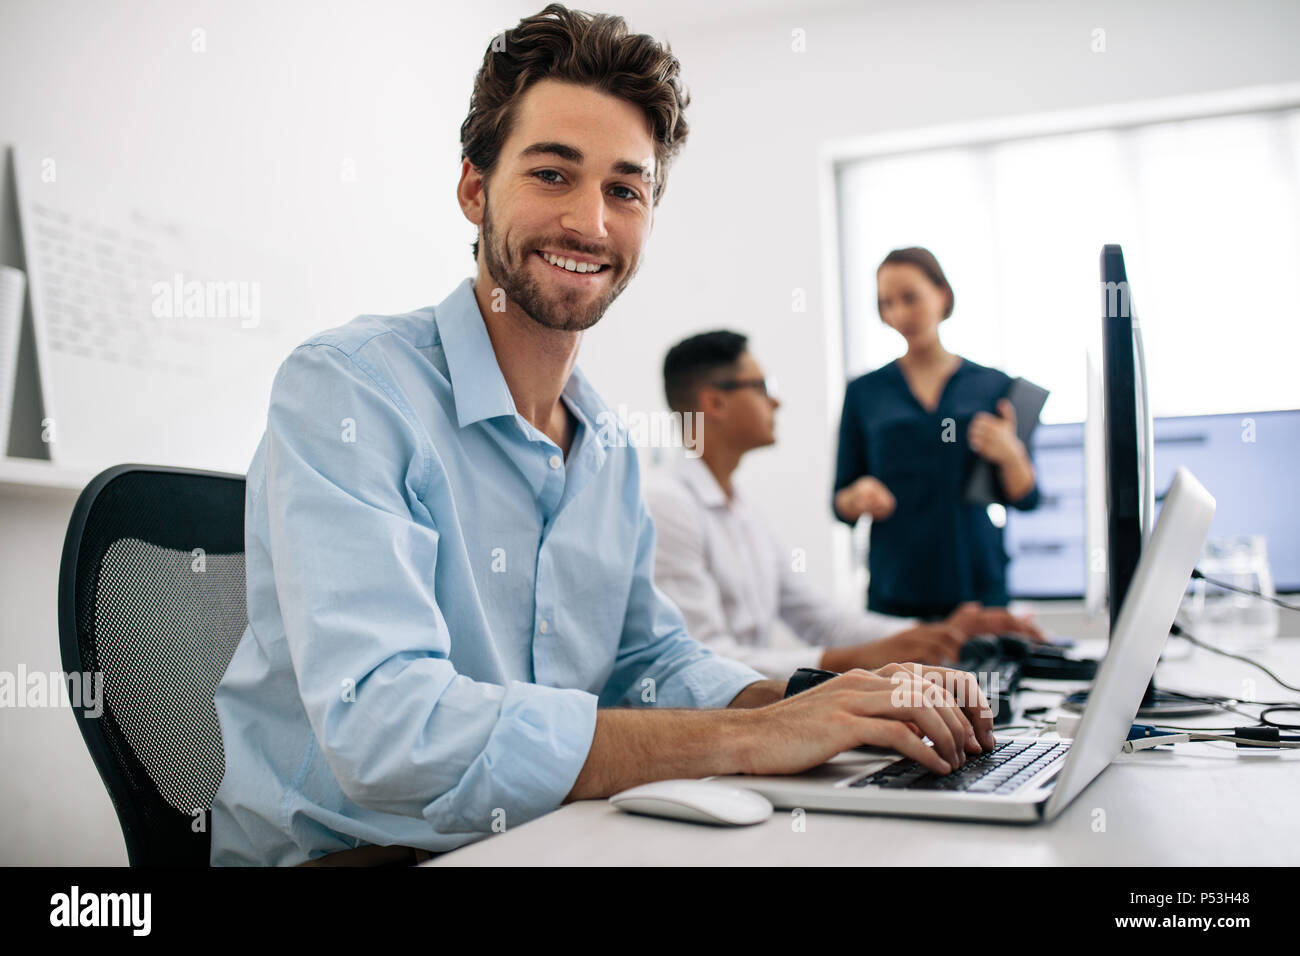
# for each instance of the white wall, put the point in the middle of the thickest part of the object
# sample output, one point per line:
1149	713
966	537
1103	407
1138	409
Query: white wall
740	221
250	137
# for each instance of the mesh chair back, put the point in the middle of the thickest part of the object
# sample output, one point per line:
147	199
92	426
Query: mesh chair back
151	596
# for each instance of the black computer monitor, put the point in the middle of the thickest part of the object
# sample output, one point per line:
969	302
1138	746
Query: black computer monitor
1124	479
1130	476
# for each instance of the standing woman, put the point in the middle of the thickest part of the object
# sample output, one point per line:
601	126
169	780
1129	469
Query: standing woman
910	434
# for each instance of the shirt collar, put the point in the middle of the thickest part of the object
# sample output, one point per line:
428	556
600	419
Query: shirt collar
479	388
477	385
699	479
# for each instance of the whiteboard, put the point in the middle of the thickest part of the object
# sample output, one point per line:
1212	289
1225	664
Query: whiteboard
156	339
13	288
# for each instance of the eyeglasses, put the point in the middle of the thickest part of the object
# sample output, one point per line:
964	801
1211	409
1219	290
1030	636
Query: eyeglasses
765	386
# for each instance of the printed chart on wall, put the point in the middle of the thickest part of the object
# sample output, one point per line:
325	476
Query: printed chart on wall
156	339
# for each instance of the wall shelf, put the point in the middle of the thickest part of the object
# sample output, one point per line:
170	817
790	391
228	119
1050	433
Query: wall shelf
31	474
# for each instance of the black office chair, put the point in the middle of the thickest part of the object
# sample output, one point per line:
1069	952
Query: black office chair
151	594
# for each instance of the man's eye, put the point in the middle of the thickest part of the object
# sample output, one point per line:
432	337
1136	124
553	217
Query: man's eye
541	173
632	194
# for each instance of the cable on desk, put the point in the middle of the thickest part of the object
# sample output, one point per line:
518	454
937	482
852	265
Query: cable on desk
1261	719
1213	700
1149	736
1185	635
1232	587
1201	729
1286	708
1270	744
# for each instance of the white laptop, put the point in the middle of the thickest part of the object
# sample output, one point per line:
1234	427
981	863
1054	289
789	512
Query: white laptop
1027	780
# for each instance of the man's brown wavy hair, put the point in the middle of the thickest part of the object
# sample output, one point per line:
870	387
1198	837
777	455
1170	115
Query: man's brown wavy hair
594	50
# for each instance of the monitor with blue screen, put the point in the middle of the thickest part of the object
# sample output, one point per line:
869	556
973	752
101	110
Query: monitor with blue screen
1248	460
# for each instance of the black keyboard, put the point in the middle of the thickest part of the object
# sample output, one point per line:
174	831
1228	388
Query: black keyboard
1004	769
1002	657
1001	690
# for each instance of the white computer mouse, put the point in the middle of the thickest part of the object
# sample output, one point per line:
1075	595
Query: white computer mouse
700	801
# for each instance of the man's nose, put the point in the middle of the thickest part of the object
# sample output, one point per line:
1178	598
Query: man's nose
585	214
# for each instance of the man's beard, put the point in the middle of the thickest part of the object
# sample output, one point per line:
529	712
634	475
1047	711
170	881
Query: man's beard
559	310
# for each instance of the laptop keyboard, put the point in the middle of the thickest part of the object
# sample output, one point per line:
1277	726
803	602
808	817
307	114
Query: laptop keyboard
1004	769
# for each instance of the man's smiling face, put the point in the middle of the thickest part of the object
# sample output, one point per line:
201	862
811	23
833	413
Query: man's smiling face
573	186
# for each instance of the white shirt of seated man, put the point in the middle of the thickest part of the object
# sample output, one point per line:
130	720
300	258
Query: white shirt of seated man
730	576
733	580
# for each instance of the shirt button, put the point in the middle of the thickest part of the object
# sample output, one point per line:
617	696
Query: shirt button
543	626
556	461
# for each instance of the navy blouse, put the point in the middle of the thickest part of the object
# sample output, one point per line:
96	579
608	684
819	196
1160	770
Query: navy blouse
935	550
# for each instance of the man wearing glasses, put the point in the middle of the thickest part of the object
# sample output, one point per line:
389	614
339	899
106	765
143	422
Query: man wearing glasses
725	569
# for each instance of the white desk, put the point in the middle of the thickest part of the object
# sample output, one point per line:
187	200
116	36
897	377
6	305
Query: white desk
1199	804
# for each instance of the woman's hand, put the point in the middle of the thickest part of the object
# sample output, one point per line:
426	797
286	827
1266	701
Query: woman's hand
867	496
994	436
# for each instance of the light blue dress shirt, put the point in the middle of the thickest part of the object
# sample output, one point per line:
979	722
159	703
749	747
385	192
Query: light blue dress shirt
438	600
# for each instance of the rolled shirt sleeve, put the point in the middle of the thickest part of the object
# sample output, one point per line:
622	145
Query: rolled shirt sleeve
347	473
1030	499
1028	503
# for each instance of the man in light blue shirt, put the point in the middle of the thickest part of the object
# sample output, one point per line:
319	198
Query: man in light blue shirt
449	559
438	600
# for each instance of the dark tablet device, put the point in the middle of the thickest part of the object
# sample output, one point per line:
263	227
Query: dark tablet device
1027	399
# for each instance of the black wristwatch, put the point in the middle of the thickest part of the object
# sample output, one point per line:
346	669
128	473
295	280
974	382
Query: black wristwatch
806	677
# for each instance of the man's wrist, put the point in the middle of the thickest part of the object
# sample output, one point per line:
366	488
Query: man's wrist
838	659
758	694
741	733
806	678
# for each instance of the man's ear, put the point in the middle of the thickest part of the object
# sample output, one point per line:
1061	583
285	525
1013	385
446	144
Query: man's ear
712	402
470	192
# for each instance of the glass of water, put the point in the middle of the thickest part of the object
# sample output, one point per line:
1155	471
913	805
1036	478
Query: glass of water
1226	618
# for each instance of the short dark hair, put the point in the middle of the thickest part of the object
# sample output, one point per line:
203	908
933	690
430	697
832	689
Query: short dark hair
691	362
595	50
924	260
